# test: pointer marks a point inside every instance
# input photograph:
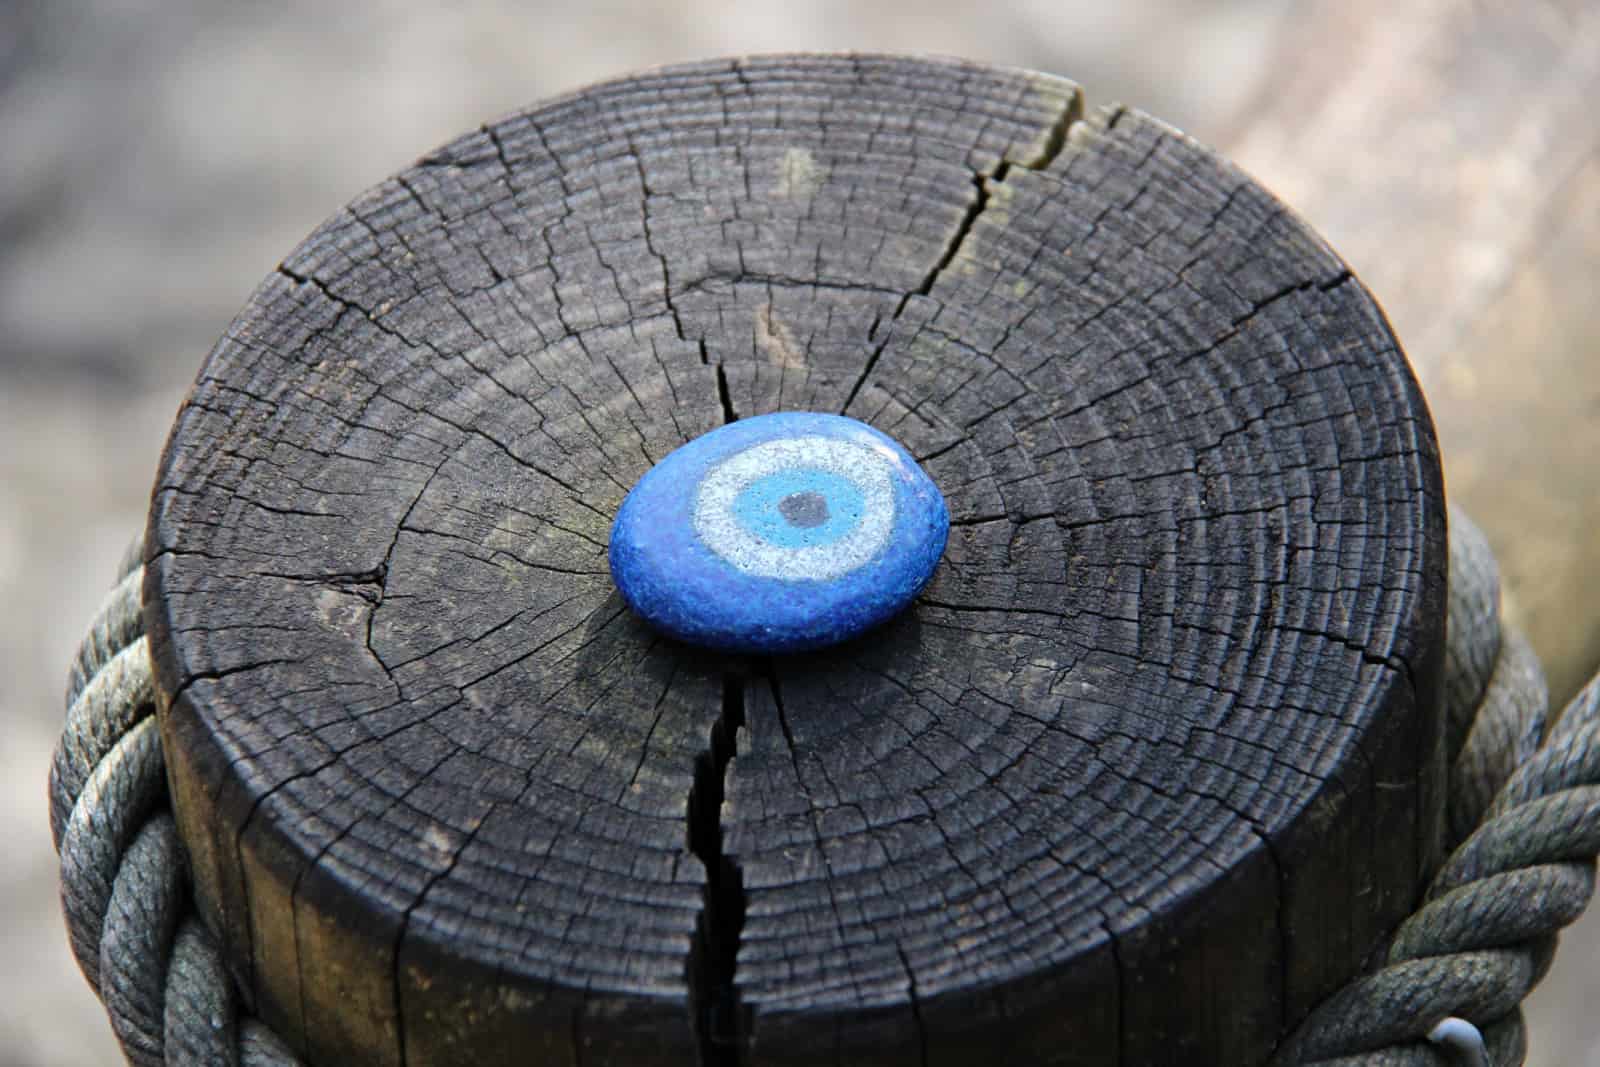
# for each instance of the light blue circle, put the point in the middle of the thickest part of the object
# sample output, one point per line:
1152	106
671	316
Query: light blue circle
756	507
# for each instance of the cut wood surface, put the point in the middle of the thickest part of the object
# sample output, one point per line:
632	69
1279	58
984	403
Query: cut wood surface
1449	149
1149	768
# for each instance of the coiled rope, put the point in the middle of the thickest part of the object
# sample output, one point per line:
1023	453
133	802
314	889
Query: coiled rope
124	880
1524	820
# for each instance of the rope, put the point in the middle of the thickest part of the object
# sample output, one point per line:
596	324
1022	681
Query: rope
1523	818
124	880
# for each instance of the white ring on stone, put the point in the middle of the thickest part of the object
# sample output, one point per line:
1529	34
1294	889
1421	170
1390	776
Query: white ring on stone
866	466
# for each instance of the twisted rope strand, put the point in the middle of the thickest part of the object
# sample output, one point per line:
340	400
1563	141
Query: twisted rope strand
111	703
1524	815
141	921
122	791
1472	645
115	626
124	880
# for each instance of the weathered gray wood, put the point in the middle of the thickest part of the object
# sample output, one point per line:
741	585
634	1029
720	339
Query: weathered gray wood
1450	151
1150	767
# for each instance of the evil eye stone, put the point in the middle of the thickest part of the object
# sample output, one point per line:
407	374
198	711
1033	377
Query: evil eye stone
778	533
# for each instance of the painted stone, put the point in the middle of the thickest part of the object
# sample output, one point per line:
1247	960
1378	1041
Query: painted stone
778	533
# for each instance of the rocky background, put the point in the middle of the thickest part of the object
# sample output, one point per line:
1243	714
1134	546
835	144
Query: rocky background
158	157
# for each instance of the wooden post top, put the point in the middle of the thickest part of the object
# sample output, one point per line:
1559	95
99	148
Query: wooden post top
1148	769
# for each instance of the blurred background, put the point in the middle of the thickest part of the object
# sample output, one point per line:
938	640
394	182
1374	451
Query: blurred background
159	157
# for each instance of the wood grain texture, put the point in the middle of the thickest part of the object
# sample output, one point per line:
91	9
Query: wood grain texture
1150	767
1449	150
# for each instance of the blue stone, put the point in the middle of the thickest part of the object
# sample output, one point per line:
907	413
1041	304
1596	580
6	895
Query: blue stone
778	533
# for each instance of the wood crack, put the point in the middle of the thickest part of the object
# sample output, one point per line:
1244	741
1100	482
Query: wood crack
719	1020
666	286
405	925
1055	140
916	1005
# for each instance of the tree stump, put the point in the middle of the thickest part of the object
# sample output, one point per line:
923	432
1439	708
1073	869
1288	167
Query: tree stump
1150	767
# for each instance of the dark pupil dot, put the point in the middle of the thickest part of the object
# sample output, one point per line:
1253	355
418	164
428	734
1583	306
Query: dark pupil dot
804	510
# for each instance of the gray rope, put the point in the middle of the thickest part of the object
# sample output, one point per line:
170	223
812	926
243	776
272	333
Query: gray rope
124	880
1524	815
